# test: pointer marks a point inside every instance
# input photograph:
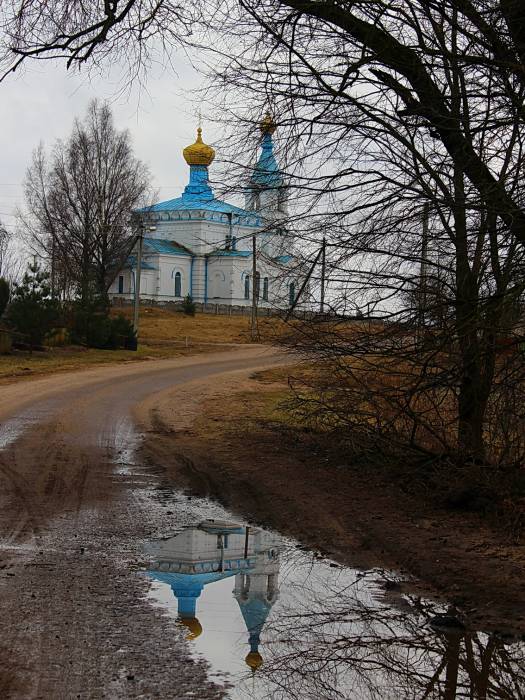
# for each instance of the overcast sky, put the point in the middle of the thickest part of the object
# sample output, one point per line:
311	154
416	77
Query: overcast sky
41	104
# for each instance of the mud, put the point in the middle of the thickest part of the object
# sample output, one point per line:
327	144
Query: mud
283	482
75	509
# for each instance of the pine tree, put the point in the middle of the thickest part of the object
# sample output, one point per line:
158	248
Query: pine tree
188	305
33	311
4	294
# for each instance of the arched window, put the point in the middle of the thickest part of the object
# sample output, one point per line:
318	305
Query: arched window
265	289
291	292
257	284
178	284
247	287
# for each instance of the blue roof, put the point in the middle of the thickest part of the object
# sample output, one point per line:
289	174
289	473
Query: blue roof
232	253
185	204
284	258
164	247
191	582
198	195
144	265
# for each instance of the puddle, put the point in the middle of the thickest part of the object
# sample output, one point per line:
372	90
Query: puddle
276	621
14	427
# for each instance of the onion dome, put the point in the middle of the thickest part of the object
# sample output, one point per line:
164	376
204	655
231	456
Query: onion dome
254	660
267	125
193	626
199	153
266	174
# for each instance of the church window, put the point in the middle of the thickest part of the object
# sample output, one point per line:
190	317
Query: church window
291	292
265	289
247	287
178	284
222	541
257	284
121	284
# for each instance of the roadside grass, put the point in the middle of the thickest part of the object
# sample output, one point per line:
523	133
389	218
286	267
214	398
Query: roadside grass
161	325
22	364
163	334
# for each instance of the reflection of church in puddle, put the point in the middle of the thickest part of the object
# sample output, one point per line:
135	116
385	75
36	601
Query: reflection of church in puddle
210	552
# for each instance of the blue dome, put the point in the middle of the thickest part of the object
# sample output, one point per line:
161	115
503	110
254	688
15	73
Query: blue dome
266	173
255	612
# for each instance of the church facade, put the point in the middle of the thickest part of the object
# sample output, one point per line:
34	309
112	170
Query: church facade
201	246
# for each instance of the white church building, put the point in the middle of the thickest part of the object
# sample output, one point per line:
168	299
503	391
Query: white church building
199	245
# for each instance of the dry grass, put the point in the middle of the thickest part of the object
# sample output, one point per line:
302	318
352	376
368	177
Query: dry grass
161	325
22	364
163	334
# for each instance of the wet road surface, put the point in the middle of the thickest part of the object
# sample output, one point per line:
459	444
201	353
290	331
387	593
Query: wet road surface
74	512
114	584
286	624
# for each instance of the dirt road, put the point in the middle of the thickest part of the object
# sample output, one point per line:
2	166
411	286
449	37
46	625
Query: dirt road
75	509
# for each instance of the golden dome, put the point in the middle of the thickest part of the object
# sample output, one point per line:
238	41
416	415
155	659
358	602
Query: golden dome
193	625
254	660
198	153
268	125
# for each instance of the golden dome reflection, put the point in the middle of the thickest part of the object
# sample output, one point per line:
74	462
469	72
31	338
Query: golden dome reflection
268	125
193	625
199	153
254	660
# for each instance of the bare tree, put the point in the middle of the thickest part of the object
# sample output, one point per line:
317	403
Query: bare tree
79	203
399	37
86	33
10	259
387	108
372	150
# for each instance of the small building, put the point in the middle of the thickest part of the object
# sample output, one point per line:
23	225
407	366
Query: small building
200	245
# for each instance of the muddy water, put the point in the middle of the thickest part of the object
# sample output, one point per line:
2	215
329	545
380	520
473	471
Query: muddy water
276	621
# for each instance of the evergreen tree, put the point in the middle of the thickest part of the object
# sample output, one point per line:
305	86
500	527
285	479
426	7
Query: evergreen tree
32	310
188	305
4	294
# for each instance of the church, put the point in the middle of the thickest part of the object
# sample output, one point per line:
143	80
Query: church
213	551
201	246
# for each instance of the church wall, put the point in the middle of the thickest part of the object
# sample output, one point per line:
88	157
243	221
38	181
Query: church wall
234	270
225	280
169	265
127	277
147	283
198	222
199	279
199	235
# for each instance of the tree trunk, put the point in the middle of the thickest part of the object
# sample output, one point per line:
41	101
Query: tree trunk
473	396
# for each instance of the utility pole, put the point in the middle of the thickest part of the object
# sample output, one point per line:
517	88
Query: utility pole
255	290
323	274
140	243
303	286
246	539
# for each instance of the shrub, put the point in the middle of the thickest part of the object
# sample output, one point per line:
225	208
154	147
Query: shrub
122	334
188	305
94	328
